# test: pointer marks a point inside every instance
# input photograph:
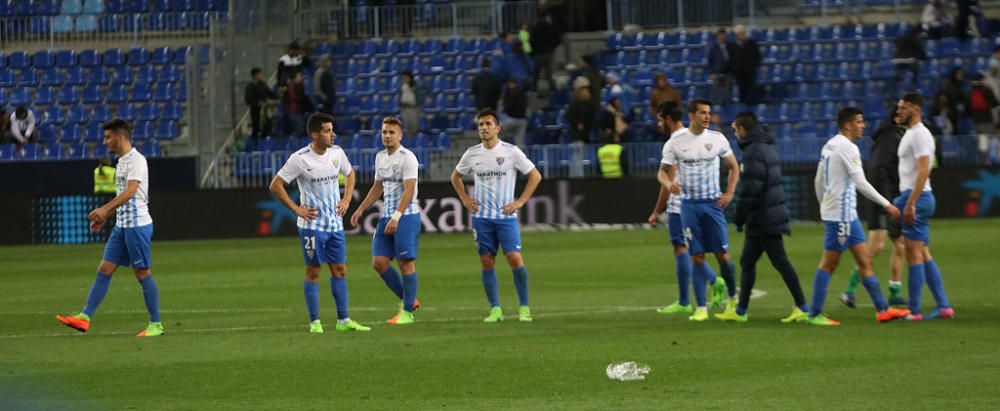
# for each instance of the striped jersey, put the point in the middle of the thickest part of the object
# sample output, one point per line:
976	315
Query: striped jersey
674	201
495	170
317	177
916	142
697	158
135	212
392	170
838	201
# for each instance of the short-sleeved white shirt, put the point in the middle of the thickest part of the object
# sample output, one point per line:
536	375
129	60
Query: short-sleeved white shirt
135	212
697	158
319	187
495	171
392	170
839	160
916	142
674	202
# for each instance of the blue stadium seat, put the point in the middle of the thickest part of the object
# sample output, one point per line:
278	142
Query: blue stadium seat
93	7
92	132
126	112
182	92
138	56
31	152
44	96
148	112
113	57
146	73
19	60
6	78
454	46
167	130
164	93
140	92
53	115
50	77
90	58
99	151
101	113
366	105
74	150
85	23
161	56
53	150
71	132
93	94
121	75
117	94
20	97
172	111
27	78
43	59
143	130
151	149
8	151
77	115
180	55
182	5
71	7
47	133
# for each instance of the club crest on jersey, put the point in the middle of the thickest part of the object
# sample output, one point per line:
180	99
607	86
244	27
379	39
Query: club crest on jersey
309	253
708	146
336	163
395	168
499	161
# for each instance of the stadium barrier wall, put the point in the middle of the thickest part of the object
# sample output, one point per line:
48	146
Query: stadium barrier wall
188	214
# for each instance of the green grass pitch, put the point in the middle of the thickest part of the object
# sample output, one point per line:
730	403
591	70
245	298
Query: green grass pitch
237	332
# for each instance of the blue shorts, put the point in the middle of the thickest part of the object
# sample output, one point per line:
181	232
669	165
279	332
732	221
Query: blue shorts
402	245
676	229
129	246
320	247
921	229
704	227
839	236
490	233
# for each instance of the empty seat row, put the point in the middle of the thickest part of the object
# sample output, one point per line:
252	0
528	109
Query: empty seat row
92	94
138	56
92	132
70	151
16	8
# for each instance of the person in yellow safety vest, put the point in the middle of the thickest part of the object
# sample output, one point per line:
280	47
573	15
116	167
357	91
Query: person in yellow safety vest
614	163
104	177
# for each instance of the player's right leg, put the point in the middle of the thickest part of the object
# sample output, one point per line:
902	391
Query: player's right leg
115	254
484	233
138	242
683	267
701	270
383	250
834	239
310	286
509	235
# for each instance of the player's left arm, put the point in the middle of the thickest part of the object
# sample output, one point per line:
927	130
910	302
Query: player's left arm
734	178
534	177
345	199
409	187
857	175
923	173
101	214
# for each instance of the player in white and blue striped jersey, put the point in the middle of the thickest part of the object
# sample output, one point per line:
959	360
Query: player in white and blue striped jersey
494	164
129	243
398	232
693	156
316	169
839	177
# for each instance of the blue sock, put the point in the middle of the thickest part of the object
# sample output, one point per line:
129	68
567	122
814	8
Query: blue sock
391	278
491	287
935	283
409	291
741	310
97	293
804	308
338	287
820	285
521	284
875	292
311	290
710	277
701	273
728	272
683	279
151	295
916	285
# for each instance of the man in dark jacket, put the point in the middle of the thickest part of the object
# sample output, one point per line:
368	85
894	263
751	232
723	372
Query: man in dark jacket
761	210
745	64
257	96
545	37
486	87
719	68
883	173
907	58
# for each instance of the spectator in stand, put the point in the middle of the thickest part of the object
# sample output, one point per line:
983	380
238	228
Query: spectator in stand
614	88
954	86
595	81
411	93
517	64
720	69
22	126
966	22
524	36
297	104
982	106
258	96
613	123
292	62
935	20
486	87
745	64
943	116
5	134
515	108
908	56
324	86
506	44
545	38
662	93
993	72
580	115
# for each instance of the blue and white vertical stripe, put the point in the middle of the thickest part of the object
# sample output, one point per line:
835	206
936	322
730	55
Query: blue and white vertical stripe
324	198
493	192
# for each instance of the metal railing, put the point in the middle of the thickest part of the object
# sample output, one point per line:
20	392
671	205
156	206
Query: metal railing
69	31
559	161
431	19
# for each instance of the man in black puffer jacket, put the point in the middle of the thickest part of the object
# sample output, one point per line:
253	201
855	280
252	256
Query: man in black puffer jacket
761	210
